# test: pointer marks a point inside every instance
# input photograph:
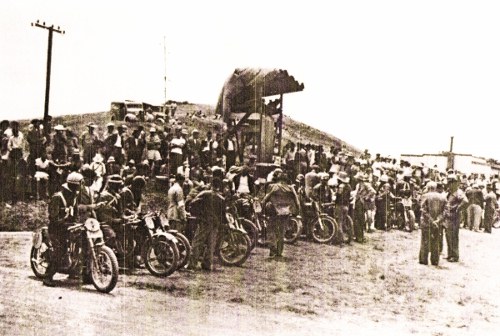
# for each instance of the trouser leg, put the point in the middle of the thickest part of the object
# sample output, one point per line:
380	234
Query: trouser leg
425	245
434	245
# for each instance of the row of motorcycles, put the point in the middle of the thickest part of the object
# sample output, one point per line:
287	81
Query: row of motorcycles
147	237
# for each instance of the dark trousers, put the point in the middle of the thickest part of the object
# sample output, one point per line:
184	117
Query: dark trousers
205	240
276	236
359	221
430	244
230	159
452	236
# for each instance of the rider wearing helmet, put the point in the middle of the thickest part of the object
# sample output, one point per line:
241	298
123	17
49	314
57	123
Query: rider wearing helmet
62	211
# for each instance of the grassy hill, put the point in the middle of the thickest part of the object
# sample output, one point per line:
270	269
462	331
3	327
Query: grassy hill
292	131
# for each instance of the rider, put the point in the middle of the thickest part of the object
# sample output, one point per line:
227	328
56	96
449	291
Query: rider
111	215
322	193
62	212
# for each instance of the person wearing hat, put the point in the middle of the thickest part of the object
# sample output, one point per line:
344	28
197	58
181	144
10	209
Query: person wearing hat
177	145
176	212
475	208
433	218
457	201
88	141
364	202
36	142
208	206
206	150
153	143
322	193
244	183
490	208
62	212
229	146
112	167
280	203
59	141
134	146
109	139
193	146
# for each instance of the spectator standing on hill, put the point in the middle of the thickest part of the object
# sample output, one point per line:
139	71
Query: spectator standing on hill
89	142
59	151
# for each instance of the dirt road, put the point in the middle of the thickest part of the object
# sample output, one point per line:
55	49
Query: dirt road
375	288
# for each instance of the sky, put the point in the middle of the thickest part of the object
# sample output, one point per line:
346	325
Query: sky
390	76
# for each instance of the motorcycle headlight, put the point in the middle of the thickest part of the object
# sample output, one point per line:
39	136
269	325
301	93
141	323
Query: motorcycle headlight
92	225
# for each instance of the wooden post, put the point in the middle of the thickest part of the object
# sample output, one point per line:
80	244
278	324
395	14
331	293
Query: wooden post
280	124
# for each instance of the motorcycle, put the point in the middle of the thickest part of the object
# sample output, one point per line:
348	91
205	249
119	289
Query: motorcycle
88	255
233	245
317	223
247	211
139	237
158	223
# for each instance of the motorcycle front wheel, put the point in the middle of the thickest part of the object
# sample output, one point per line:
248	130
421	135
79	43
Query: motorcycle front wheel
39	260
293	229
234	248
323	231
184	248
162	256
251	230
104	270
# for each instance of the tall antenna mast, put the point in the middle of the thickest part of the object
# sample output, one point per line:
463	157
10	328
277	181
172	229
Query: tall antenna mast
165	70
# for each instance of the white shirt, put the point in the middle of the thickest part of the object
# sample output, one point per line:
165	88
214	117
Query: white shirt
243	187
180	142
230	145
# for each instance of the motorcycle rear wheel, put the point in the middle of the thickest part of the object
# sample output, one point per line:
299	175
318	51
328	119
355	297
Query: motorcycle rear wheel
162	256
234	248
293	230
184	248
39	260
323	234
104	270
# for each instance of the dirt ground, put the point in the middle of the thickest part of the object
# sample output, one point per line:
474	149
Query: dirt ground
316	290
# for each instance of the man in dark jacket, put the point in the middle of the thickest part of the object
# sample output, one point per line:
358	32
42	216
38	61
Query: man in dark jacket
280	203
209	208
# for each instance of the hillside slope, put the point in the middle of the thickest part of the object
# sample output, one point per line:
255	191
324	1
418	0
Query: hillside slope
292	130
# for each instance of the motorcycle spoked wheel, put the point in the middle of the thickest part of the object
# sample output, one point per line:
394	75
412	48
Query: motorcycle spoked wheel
323	234
162	256
104	271
184	248
252	231
234	248
39	260
347	234
293	230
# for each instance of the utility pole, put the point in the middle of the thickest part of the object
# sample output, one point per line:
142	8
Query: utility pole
165	70
451	156
51	30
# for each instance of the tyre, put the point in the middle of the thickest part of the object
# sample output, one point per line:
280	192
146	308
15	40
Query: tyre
324	229
104	270
251	230
184	248
162	256
234	248
293	229
39	260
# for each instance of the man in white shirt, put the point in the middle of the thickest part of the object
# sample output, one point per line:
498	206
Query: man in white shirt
176	151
